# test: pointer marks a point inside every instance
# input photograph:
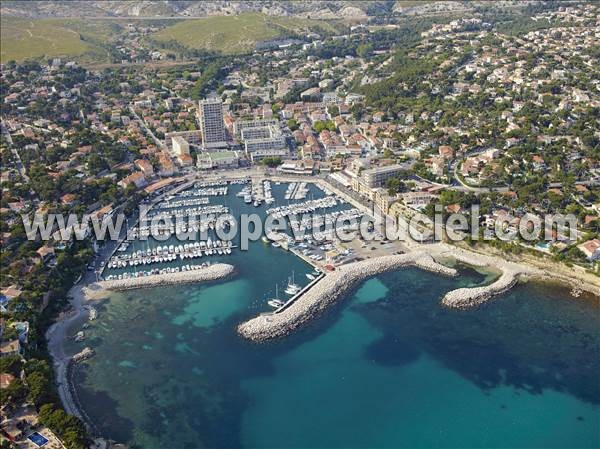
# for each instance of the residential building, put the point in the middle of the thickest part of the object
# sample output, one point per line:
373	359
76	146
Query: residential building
192	137
263	141
591	249
180	146
137	178
212	125
145	166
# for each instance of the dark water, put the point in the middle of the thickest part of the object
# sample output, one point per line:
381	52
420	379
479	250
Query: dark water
387	367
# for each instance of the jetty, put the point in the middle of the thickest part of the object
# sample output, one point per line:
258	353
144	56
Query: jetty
202	274
463	298
324	292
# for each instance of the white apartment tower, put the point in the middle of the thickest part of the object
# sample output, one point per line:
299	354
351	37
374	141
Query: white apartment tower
210	114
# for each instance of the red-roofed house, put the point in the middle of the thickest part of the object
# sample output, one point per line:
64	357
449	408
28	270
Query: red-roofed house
591	249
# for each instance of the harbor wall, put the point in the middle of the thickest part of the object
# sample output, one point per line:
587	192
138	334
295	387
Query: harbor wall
209	273
330	288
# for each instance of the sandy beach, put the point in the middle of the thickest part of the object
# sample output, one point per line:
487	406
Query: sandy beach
82	296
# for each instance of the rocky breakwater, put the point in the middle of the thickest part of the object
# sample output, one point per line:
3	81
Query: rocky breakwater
328	290
204	274
463	298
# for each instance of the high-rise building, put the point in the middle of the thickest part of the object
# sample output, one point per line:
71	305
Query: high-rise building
210	114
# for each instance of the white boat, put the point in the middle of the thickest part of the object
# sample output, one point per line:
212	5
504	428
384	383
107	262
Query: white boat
310	276
275	302
292	287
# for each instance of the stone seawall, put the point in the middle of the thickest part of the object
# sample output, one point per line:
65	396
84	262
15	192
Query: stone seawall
329	289
463	298
209	273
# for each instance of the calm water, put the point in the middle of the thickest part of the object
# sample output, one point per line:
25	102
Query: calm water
387	367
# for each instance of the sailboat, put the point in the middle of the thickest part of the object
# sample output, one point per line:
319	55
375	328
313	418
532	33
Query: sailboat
275	302
292	287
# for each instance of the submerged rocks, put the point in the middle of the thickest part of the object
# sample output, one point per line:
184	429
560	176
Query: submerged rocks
209	273
329	289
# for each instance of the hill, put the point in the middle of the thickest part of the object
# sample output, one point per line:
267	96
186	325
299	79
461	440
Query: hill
81	39
237	34
23	39
182	8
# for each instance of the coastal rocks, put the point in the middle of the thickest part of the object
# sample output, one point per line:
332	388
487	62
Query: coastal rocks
83	355
329	289
209	273
463	298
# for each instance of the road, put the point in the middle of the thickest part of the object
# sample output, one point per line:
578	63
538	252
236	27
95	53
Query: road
19	163
148	131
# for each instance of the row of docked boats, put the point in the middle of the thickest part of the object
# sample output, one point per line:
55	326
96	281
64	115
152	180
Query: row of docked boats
204	224
246	193
162	254
167	270
318	220
267	192
296	191
195	211
207	191
184	202
304	207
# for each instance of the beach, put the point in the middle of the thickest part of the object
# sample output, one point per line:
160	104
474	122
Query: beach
81	296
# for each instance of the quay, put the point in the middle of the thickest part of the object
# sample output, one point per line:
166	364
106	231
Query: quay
204	274
330	287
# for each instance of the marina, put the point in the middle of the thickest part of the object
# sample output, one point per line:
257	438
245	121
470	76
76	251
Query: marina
193	314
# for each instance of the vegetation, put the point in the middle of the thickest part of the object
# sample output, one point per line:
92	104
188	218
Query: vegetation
271	161
236	34
23	39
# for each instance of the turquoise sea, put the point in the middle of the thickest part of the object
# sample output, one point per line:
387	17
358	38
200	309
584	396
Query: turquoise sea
386	367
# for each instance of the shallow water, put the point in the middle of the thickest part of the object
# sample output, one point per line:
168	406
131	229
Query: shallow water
386	367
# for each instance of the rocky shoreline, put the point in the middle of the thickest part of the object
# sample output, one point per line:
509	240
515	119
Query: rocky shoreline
209	273
333	286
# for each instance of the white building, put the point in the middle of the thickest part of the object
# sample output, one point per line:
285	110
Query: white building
263	141
180	146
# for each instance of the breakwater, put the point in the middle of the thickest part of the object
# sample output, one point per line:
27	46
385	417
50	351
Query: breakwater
203	274
463	298
329	289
